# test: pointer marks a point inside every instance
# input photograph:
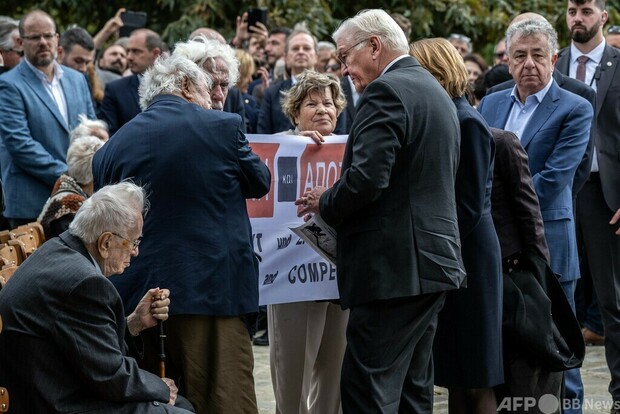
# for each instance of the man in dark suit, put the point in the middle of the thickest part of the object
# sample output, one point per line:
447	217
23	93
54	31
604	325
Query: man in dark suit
62	346
300	54
40	103
553	126
600	196
395	212
121	101
199	169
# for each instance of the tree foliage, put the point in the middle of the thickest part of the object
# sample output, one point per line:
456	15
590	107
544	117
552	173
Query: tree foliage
483	20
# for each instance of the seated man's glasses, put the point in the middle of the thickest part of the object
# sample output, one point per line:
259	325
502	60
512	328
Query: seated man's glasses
134	243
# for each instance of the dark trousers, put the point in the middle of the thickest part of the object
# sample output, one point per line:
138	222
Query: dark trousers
388	366
602	248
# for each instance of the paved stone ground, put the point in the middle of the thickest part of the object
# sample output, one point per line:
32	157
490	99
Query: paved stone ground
594	372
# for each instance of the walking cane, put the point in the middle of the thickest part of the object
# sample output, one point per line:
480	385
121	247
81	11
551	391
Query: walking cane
162	351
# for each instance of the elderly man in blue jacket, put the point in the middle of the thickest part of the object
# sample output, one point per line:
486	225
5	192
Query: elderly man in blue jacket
199	170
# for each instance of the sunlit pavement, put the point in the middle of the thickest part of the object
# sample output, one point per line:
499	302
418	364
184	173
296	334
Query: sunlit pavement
594	373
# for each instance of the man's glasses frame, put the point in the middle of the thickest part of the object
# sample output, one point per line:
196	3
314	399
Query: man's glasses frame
36	37
614	30
342	56
19	53
134	243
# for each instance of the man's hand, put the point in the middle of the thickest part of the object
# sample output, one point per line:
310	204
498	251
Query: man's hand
152	307
264	77
110	28
173	390
309	202
115	23
259	31
241	34
615	219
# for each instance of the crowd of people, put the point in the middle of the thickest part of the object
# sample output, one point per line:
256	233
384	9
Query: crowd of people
457	176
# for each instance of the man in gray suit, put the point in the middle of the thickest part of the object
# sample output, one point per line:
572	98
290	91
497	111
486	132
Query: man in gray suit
589	59
62	345
395	212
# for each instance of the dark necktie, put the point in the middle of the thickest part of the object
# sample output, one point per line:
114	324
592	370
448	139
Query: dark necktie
581	67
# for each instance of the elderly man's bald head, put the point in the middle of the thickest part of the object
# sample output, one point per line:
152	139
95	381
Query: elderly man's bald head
208	33
527	16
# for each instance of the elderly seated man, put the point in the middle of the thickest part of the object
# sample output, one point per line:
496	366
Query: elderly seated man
62	346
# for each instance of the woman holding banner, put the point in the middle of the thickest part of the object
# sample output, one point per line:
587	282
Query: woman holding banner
307	339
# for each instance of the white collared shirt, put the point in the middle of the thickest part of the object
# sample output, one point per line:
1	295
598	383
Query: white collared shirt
595	55
520	114
354	95
53	88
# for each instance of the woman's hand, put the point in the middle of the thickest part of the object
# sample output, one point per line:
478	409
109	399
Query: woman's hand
315	135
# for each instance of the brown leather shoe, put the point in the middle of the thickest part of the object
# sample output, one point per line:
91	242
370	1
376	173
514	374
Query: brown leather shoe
592	338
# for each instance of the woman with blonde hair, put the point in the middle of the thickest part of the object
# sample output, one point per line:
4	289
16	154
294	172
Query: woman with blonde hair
467	351
307	339
247	67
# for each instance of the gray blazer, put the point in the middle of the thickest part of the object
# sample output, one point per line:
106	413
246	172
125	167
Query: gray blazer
62	346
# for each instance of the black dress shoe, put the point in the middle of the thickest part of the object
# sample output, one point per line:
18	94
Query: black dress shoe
262	340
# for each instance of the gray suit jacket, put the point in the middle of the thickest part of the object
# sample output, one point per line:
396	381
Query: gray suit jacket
62	346
607	141
394	206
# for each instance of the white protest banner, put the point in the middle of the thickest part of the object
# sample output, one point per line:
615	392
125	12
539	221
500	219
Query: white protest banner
290	271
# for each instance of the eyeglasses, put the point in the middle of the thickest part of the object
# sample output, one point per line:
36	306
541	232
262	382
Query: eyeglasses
342	57
35	37
19	53
499	55
614	30
134	243
334	68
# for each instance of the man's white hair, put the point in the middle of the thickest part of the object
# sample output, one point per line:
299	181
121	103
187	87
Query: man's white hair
85	127
201	50
373	22
80	158
534	27
113	208
166	77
